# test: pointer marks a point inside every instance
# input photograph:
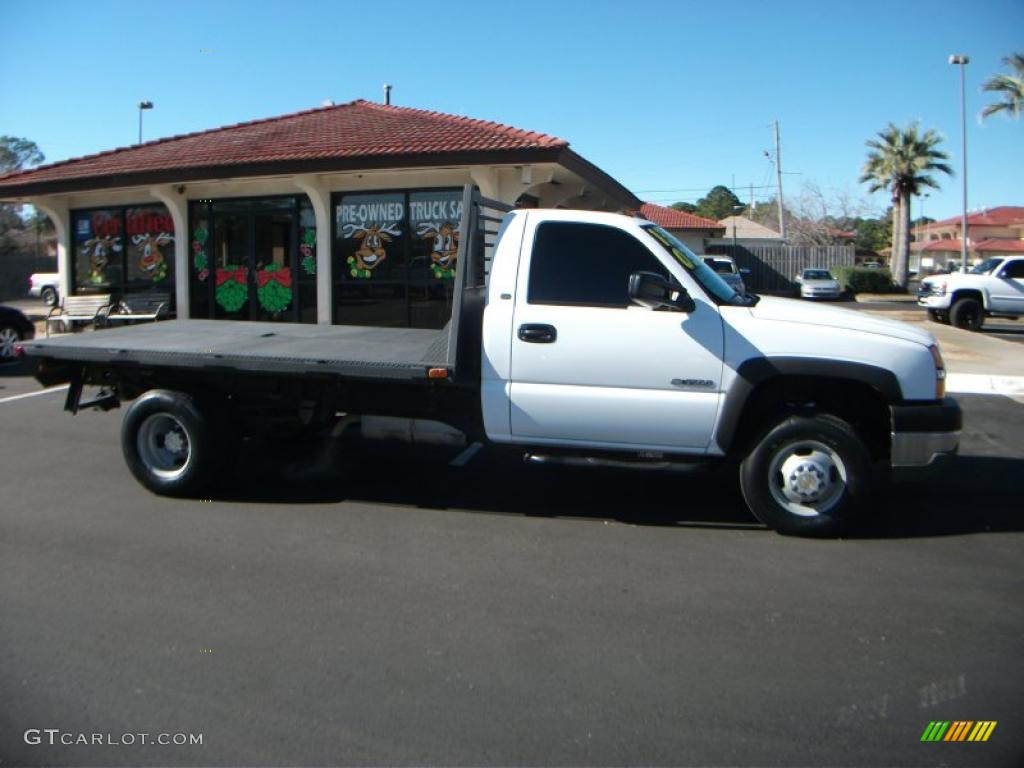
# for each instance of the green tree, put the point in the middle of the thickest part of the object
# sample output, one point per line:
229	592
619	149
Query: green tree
872	234
685	207
1009	87
719	203
900	161
16	154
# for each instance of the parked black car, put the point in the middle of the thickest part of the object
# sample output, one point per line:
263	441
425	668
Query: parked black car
14	327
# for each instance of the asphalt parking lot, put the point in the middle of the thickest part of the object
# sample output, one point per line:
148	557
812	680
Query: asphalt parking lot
380	607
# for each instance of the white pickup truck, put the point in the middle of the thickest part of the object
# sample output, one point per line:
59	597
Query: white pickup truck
993	288
573	334
45	286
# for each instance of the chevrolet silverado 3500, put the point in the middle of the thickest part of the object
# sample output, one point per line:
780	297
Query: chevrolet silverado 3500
572	334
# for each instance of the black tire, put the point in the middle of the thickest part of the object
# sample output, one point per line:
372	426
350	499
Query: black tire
829	476
967	313
183	468
49	296
938	316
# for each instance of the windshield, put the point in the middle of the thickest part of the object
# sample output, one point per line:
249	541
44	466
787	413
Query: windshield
985	267
721	266
817	274
714	286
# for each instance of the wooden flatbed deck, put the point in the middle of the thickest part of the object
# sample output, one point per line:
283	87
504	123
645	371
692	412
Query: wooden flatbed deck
346	350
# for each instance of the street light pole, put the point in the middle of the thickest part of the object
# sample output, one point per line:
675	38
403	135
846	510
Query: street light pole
962	60
143	105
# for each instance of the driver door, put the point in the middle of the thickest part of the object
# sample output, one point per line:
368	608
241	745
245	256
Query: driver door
588	366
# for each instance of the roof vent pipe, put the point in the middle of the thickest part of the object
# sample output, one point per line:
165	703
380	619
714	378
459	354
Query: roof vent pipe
387	94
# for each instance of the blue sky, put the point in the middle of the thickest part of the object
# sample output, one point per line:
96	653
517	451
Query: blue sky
671	98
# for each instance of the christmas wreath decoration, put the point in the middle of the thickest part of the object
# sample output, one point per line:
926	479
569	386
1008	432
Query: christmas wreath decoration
231	291
274	287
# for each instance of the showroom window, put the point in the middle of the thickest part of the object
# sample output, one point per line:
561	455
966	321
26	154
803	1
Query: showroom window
395	254
123	250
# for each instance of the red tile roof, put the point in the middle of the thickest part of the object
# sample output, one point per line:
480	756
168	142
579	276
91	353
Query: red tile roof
991	245
1000	245
356	130
942	245
670	218
1002	216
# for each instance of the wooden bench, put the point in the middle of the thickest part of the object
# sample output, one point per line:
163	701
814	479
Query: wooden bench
139	306
91	308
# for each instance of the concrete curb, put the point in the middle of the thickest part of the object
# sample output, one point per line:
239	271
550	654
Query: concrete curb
896	298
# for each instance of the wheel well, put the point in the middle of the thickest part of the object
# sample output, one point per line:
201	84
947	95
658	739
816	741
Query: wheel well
860	405
966	293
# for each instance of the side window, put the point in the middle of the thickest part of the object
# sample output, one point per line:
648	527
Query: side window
1014	269
585	264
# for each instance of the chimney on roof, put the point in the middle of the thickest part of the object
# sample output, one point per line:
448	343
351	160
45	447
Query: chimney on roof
387	94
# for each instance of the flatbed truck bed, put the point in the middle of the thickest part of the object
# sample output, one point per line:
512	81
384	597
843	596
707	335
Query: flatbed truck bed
258	347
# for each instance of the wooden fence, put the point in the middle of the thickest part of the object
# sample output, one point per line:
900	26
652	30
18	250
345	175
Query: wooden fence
773	267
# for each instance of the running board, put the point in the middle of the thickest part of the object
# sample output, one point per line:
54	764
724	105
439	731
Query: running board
600	462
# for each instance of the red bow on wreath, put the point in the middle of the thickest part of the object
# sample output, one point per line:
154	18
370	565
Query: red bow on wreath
239	275
283	276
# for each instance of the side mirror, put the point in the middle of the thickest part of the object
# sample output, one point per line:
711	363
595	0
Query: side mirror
797	279
653	291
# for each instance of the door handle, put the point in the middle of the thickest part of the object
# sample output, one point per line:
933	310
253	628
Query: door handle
537	333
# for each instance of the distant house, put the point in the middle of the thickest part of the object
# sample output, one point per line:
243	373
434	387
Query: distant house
693	231
746	232
990	232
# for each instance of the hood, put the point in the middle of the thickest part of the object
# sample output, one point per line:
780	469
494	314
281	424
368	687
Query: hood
821	283
793	311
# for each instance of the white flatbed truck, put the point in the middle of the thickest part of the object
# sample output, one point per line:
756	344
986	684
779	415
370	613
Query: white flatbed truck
573	334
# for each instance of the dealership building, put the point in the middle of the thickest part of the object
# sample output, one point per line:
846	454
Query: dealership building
343	214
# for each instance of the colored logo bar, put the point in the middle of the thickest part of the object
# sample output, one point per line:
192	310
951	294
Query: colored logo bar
958	730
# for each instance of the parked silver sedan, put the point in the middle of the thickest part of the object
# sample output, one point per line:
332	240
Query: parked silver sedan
818	284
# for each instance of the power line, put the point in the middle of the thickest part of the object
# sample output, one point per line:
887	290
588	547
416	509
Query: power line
704	189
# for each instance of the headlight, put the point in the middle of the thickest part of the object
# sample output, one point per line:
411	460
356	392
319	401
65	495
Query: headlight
939	288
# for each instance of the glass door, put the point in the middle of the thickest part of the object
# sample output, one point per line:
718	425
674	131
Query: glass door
273	266
232	253
254	266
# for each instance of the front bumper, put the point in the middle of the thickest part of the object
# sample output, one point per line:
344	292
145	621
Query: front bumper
921	433
821	293
933	300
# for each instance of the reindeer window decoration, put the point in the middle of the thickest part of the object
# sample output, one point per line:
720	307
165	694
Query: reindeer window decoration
444	250
371	252
151	260
98	250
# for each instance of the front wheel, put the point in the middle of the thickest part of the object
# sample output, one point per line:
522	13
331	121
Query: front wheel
967	314
49	296
807	476
169	444
938	316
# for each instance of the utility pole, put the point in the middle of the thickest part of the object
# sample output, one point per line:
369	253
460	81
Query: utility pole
962	61
778	176
751	197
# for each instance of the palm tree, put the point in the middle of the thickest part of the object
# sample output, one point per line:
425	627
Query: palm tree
900	161
1010	87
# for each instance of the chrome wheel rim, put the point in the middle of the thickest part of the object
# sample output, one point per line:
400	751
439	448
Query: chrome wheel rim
8	338
807	478
164	445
